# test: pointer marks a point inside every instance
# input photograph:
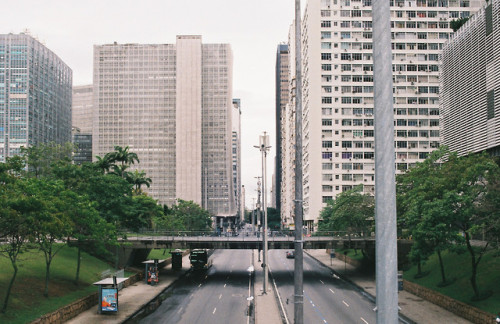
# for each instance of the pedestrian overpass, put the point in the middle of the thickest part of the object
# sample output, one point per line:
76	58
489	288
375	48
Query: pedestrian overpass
136	247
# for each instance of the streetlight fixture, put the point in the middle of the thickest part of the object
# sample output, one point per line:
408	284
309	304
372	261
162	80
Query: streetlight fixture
264	147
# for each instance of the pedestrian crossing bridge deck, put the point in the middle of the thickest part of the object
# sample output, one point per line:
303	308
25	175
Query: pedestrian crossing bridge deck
244	242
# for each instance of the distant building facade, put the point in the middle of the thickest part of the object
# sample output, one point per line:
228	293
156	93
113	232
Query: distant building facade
171	104
82	112
35	95
282	99
470	85
236	156
83	147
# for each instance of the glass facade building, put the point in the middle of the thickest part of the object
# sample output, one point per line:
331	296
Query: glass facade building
35	95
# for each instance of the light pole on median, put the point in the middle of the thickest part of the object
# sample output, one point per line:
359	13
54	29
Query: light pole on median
264	147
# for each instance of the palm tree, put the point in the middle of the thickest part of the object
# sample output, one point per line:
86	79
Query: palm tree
106	162
124	156
138	178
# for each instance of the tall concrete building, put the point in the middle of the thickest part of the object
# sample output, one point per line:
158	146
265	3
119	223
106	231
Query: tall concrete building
171	104
282	95
337	90
470	85
236	156
35	95
286	129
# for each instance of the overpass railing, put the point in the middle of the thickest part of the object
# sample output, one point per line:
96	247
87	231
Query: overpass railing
147	234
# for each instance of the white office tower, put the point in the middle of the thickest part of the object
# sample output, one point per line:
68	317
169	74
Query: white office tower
171	104
338	131
470	84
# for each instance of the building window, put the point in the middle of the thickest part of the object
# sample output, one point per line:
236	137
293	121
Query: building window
326	23
490	103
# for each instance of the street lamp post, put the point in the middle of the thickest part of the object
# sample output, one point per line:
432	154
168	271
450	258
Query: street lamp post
264	147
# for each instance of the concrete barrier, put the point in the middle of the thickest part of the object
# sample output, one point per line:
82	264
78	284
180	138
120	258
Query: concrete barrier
463	310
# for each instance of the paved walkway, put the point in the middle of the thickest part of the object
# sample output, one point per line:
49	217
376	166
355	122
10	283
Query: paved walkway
415	308
266	310
133	298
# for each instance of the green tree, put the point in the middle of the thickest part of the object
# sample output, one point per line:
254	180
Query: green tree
464	200
455	24
188	216
443	198
351	211
138	178
52	224
40	158
142	212
16	213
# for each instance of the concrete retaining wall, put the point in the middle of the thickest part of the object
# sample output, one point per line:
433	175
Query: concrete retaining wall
72	310
463	310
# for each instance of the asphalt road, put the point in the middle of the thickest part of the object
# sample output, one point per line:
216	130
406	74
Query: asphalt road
327	298
216	296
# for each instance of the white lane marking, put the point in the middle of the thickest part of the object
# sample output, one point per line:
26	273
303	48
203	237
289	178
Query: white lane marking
180	310
199	285
321	281
225	285
364	320
206	276
345	303
214	310
220	296
333	292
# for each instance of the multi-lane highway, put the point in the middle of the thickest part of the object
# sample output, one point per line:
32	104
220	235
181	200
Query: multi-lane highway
327	298
219	295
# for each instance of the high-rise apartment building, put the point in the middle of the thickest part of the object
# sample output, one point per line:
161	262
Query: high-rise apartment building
470	85
338	124
35	95
236	156
171	104
82	112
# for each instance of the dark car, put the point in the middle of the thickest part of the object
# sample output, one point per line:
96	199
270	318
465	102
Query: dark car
290	254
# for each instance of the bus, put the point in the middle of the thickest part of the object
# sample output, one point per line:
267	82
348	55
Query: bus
201	259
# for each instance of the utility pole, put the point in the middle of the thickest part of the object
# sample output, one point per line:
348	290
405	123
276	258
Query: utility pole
298	311
385	183
264	147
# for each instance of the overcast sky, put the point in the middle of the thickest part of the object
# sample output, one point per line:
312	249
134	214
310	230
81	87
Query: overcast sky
253	28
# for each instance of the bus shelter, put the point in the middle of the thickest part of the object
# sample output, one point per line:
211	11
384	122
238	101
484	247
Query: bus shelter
108	294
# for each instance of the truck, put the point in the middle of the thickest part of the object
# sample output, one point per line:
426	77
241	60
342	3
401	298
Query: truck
201	259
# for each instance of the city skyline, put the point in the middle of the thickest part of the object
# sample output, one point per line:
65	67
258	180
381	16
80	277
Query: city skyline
253	29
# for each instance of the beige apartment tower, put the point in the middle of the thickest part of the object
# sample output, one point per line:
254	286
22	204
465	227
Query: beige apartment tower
337	89
171	104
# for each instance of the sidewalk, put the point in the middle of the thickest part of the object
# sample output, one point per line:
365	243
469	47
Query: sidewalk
266	306
413	307
133	298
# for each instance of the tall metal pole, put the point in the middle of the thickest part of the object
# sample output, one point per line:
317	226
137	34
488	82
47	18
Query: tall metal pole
385	189
299	257
264	147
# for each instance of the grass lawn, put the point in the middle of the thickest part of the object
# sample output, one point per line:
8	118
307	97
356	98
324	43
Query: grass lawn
160	254
458	267
26	302
351	254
